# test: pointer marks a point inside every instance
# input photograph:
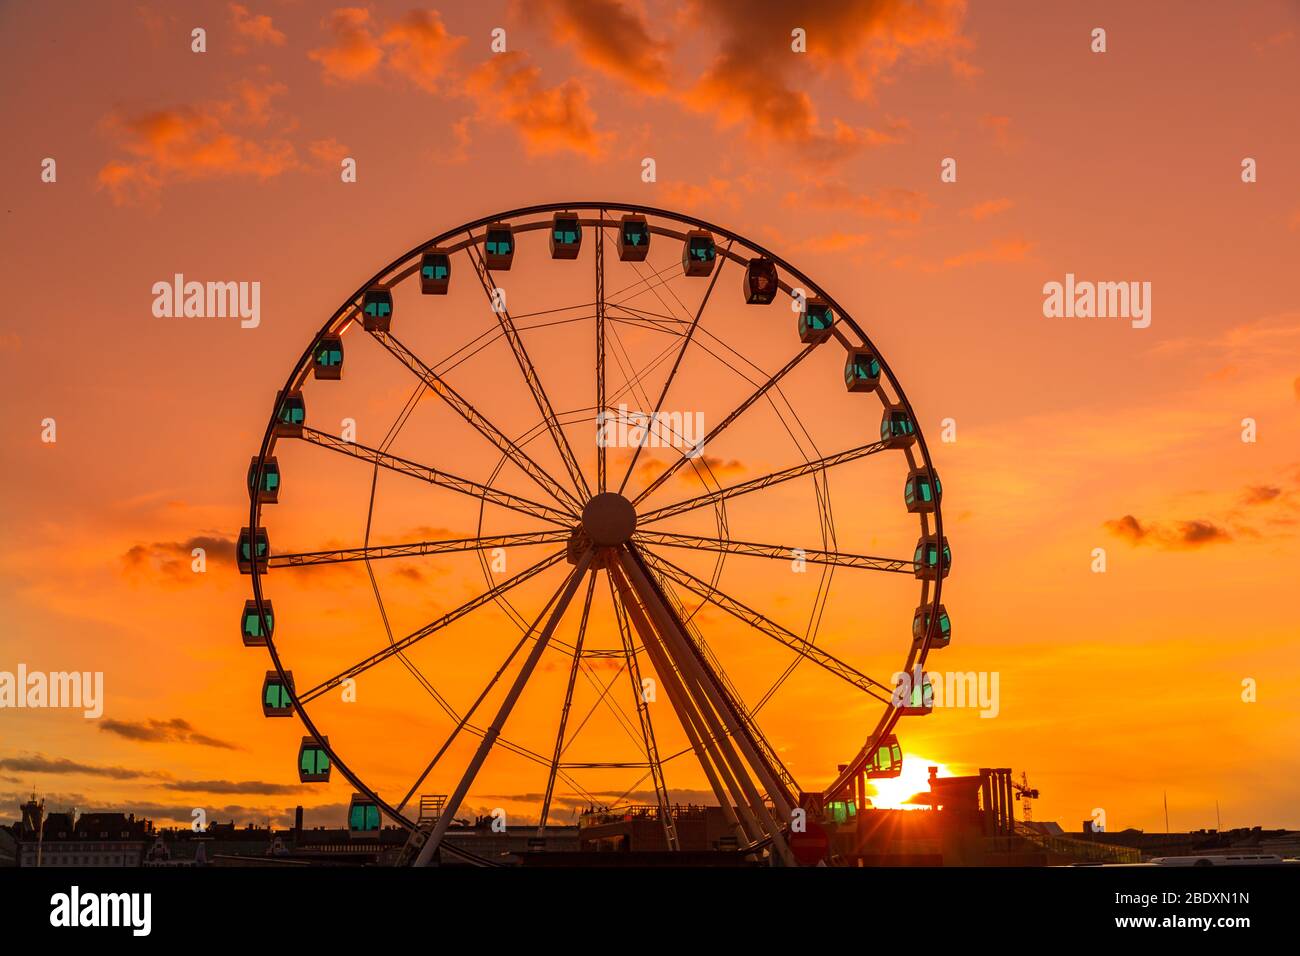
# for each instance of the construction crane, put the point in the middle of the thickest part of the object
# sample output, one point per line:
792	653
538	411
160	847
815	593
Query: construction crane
1026	795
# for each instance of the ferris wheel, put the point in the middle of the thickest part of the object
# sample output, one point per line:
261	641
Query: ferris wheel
600	460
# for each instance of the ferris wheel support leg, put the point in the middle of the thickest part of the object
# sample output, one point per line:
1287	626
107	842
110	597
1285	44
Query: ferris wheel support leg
782	798
647	724
494	730
728	795
678	647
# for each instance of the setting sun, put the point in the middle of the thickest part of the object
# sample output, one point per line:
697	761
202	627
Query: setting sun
894	793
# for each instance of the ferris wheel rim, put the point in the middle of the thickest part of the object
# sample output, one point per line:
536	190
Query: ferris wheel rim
917	654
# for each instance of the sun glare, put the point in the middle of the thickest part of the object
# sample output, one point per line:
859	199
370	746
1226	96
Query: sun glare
893	793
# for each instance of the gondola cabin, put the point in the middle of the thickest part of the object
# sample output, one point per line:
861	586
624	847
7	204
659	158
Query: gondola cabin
926	560
861	371
815	321
840	811
245	547
699	253
267	491
364	818
290	413
921	623
499	246
922	491
760	281
256	626
327	358
897	427
314	760
566	236
919	700
435	272
633	238
887	761
277	695
377	310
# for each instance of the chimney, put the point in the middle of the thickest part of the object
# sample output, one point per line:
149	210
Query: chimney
297	824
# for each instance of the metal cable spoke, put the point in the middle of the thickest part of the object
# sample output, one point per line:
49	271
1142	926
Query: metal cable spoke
765	625
415	549
431	628
677	362
764	481
731	417
470	414
434	476
529	371
842	559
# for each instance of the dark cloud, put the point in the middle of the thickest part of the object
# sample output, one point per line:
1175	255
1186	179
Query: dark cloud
1261	494
175	730
254	787
39	763
173	560
1182	535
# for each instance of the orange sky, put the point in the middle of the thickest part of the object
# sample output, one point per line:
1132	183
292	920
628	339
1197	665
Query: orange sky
1072	434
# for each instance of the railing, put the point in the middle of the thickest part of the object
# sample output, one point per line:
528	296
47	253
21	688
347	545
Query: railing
1084	851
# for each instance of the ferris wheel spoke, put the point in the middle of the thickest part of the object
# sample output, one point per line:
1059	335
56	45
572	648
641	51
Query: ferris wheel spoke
557	606
470	414
735	413
568	703
434	476
765	625
677	363
764	481
415	549
431	628
781	552
529	371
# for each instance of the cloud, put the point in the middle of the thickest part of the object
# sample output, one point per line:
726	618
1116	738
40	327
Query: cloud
835	241
420	48
757	81
609	37
175	730
38	763
253	787
355	52
173	559
194	142
417	47
508	89
681	195
254	27
983	210
1000	129
892	205
1001	251
1183	535
1261	494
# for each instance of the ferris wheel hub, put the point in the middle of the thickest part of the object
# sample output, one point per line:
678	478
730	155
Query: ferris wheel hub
609	519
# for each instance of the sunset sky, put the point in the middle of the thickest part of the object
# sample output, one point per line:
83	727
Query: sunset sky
1071	434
